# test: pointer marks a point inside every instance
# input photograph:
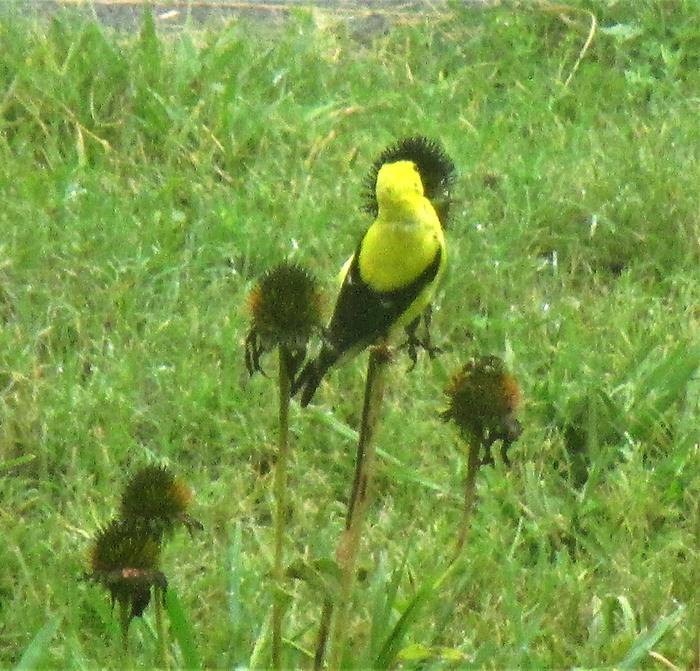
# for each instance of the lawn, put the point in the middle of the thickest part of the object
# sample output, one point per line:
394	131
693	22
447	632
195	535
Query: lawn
149	179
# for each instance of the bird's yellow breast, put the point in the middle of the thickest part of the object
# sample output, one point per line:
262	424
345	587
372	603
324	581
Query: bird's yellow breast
400	245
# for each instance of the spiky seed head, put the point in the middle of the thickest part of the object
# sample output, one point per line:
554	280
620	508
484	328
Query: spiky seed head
286	309
157	498
124	544
483	398
435	167
124	558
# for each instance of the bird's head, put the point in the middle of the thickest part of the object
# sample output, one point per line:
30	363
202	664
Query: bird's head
397	182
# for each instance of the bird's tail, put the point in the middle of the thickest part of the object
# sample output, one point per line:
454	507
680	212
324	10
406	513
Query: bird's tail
311	375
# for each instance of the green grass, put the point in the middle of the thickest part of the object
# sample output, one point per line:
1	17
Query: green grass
147	180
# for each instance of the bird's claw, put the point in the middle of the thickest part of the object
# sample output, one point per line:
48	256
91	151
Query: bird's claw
413	342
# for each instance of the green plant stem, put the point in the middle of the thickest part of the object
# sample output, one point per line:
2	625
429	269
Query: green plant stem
124	621
280	491
323	630
158	596
469	497
696	614
349	544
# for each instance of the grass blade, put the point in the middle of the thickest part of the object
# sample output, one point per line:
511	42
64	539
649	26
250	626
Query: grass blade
18	461
394	641
386	591
38	646
182	631
643	645
261	644
234	583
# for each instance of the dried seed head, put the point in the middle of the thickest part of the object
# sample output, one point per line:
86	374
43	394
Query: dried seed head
286	309
436	169
483	399
156	498
124	544
124	558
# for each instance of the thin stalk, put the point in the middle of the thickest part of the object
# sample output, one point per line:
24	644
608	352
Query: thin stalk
349	545
469	496
124	621
323	631
696	655
280	492
160	627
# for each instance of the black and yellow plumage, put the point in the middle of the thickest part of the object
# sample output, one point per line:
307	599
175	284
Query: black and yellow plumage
390	279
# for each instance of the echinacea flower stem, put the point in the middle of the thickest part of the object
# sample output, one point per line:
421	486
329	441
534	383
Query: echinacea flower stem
697	600
323	631
349	545
473	464
483	400
124	608
158	597
280	490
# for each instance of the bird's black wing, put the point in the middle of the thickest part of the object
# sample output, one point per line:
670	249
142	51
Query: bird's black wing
363	315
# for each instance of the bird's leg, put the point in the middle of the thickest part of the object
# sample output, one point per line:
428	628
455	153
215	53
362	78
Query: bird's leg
426	343
413	341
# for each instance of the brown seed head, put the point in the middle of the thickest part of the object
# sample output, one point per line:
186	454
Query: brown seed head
155	497
124	544
483	399
286	309
124	558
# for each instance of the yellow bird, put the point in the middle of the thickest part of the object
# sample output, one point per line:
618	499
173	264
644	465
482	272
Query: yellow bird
390	279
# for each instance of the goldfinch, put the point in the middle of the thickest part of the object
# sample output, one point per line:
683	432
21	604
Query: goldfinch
389	281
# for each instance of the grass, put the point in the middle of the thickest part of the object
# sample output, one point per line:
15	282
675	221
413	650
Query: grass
147	180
